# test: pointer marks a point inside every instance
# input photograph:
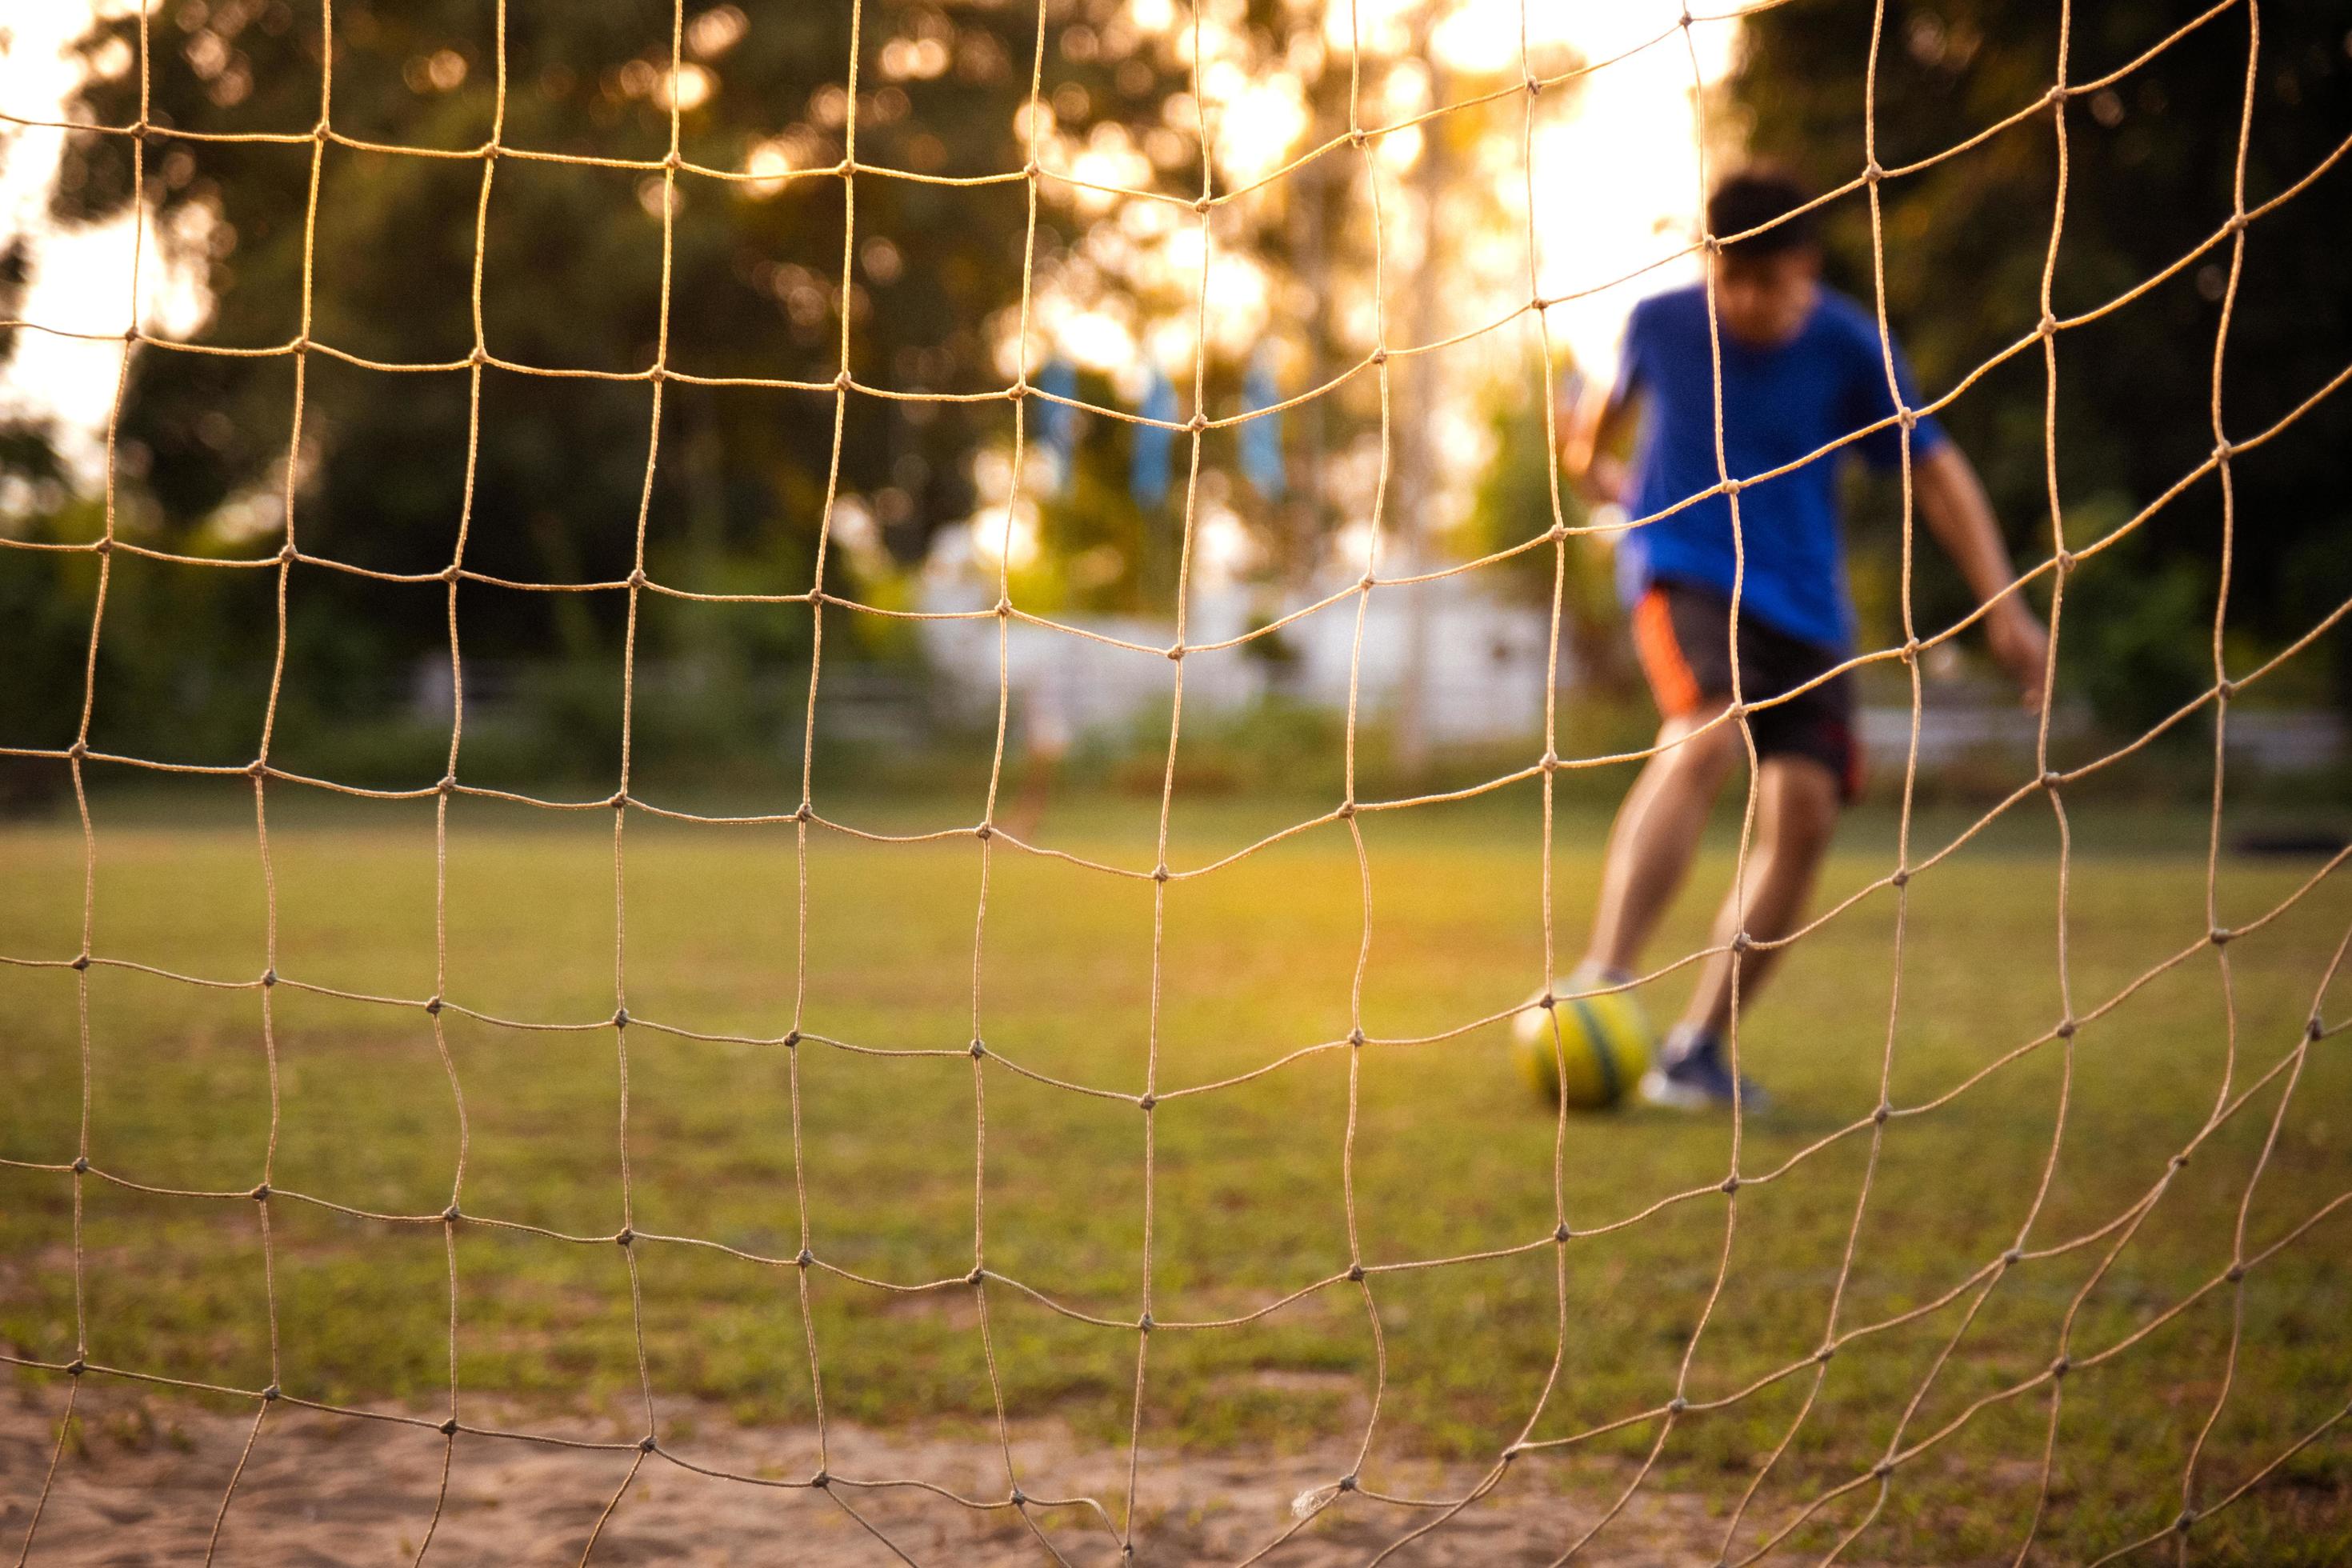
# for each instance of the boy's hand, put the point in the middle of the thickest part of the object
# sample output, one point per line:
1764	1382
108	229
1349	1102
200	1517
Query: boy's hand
2022	646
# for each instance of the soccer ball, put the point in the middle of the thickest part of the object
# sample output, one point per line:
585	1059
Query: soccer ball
1604	1047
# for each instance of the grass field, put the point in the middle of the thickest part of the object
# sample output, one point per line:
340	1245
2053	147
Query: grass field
1451	1155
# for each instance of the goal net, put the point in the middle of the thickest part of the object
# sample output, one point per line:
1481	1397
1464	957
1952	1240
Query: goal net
1781	1486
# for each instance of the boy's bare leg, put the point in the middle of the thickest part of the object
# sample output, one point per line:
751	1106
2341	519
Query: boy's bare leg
1656	834
1796	806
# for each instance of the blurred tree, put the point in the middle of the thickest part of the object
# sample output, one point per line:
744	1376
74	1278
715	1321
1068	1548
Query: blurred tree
572	278
2151	161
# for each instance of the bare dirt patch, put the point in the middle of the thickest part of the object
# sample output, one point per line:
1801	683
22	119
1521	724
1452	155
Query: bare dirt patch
142	1477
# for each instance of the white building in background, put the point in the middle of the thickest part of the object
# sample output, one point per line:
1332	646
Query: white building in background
1483	658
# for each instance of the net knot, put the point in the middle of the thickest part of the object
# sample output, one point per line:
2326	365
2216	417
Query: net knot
1733	487
2064	560
1145	1101
1742	942
1357	138
2219	936
1872	174
2066	1027
1356	1037
1561	1234
636	577
792	1040
101	547
1004	607
1016	1497
81	1166
1881	1470
1031	169
1886	1108
2235	1272
75	1367
2009	1259
1907	417
841	381
804	811
1533	83
617	799
1557	533
270	977
2188	1517
2051	779
1161	873
2225	689
1198	423
985	832
2062	1365
451	573
1367	582
1730	1183
1550	761
1355	1273
1176	651
257	768
977	1050
1380	355
270	1394
804	1259
2224	450
623	1237
1347	811
450	1215
2314	1030
479	356
976	1276
1145	1324
448	784
1202	204
1677	1405
81	961
433	1006
1823	1354
620	1018
2047	327
2179	1161
2237	224
449	1428
260	1193
288	554
301	345
321	131
645	1443
2058	94
1348	1483
820	1480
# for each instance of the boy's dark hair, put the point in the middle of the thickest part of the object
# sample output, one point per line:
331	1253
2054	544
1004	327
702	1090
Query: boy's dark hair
1754	198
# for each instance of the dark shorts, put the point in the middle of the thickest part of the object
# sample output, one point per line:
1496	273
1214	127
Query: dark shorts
1682	635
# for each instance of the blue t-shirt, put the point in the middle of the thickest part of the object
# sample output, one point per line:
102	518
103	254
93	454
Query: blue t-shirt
1779	404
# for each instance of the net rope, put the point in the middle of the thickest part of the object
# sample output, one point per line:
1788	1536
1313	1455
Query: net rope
2242	1082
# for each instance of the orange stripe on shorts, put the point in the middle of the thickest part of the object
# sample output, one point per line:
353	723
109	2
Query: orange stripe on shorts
1669	674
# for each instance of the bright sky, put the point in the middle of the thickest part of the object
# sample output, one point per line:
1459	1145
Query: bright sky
1617	179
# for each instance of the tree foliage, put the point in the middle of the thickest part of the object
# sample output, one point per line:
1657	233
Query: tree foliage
2150	160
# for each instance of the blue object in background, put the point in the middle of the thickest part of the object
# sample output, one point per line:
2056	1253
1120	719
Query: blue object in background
1148	472
1057	422
1261	437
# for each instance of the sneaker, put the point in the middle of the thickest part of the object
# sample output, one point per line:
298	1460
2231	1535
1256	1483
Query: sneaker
1700	1080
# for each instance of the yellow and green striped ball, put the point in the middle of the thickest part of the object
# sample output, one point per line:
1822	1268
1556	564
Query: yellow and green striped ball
1604	1047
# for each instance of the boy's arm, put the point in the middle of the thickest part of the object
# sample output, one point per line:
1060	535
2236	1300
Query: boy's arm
1953	501
1592	433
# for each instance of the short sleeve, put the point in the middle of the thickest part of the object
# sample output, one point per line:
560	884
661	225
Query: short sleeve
1867	404
1636	354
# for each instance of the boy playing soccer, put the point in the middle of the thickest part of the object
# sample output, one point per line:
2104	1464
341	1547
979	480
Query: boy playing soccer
1802	366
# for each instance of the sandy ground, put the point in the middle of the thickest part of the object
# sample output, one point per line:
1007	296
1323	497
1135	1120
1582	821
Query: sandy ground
143	1480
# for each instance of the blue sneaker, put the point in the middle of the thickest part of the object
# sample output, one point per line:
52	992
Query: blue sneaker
1692	1074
